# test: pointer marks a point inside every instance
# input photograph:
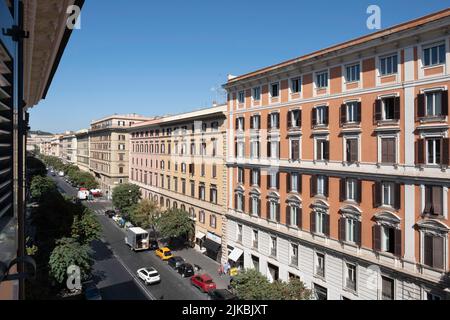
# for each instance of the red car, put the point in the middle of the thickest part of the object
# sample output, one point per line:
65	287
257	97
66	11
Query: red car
203	281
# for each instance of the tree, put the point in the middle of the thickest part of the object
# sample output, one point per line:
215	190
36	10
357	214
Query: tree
69	252
125	196
252	285
145	214
174	223
42	186
85	227
35	167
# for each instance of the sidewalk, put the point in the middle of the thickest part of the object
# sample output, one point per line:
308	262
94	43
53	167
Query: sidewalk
208	266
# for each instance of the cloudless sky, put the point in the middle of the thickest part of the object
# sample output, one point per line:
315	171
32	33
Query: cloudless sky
157	57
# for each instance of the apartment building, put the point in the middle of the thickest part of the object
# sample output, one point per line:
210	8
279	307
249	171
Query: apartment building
56	146
35	140
179	162
108	148
338	166
82	153
68	152
32	42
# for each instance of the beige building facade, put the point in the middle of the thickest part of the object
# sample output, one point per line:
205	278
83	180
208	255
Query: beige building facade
82	154
108	150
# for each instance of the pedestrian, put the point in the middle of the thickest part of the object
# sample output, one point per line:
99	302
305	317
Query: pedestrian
221	270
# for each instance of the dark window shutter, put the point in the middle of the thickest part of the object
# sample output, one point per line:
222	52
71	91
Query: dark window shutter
420	105
358	112
358	191
288	182
288	215
278	120
235	201
325	120
376	194
289	119
251	122
237	125
445	152
420	151
267	210
326	225
326	150
376	230
243	176
299	118
358	233
313	117
278	213
342	189
342	229
313	186
268	121
377	110
243	203
398	196
259	122
243	123
268	180
299	183
444	103
326	179
250	205
259	207
343	114
428	250
268	150
235	149
398	243
300	218
397	108
313	222
259	178
278	180
438	252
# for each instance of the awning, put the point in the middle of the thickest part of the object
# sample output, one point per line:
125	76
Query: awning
235	254
211	245
200	235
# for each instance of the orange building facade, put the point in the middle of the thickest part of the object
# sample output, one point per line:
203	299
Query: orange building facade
338	166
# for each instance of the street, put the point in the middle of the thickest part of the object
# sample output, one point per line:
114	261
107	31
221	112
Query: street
115	264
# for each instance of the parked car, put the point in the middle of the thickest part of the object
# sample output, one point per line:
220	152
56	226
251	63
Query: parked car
203	281
91	291
175	262
221	294
110	213
153	244
149	275
61	173
186	270
128	225
164	253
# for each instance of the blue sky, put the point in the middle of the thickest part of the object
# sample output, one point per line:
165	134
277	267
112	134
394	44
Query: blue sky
158	57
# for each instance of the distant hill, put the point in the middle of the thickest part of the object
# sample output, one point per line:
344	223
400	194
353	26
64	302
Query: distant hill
41	133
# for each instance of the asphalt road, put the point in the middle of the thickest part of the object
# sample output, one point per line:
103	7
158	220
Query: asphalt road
115	264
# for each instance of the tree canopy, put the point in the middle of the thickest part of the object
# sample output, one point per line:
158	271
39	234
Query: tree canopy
85	227
174	223
41	186
125	196
145	214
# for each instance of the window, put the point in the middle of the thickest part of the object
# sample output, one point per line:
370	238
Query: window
273	246
183	167
274	90
322	147
351	150
273	149
215	126
175	184
201	192
241	96
254	149
212	221
255	239
433	103
274	210
319	185
350	189
202	170
352	73
350	276
273	180
294	216
183	186
434	55
255	122
321	222
239	202
295	182
387	108
320	116
240	175
256	93
192	148
255	206
240	149
433	150
322	80
387	288
296	85
430	296
120	169
294	254
433	200
121	156
274	120
320	292
320	265
388	65
387	194
255	177
351	112
192	189
295	149
239	233
388	150
213	194
214	170
433	250
121	146
214	147
201	216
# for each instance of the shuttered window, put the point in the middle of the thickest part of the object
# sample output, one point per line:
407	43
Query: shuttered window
295	149
387	291
388	150
433	200
433	251
351	146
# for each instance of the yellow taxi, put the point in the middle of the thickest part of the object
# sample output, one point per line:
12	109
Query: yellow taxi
164	253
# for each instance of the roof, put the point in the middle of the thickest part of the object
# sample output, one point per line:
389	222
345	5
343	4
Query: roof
376	35
137	230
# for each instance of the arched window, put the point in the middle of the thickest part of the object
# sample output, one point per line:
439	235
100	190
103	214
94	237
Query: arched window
387	235
239	199
350	225
255	202
192	213
175	205
294	212
320	218
161	201
183	207
273	207
167	203
433	243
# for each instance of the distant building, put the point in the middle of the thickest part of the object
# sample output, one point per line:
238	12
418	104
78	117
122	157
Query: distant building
68	152
82	152
108	148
